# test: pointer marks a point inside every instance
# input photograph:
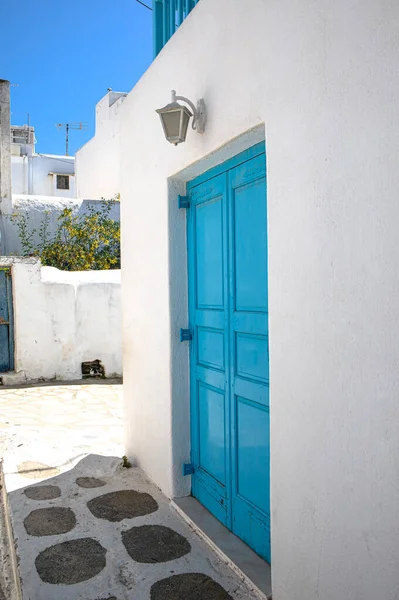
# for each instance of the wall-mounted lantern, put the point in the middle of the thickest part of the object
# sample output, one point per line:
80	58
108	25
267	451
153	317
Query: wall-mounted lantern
175	118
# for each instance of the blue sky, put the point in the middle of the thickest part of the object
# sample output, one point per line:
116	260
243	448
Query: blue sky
64	54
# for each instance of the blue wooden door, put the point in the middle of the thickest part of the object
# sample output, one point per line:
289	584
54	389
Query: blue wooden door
227	241
6	321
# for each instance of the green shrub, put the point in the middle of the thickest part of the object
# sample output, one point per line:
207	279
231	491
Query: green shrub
80	243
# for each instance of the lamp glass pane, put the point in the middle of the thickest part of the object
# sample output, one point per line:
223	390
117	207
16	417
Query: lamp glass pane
185	119
171	122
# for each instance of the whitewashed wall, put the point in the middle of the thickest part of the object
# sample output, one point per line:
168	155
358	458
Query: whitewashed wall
32	175
62	319
323	79
98	161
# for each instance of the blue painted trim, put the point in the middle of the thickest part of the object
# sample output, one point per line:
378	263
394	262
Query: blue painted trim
166	21
180	12
172	17
167	16
252	152
157	26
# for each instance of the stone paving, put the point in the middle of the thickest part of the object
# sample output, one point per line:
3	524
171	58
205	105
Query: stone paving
59	422
85	527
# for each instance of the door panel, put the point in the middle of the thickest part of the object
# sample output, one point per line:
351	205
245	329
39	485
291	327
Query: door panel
250	250
210	348
249	365
252	454
209	253
208	316
4	349
212	435
227	241
6	321
252	356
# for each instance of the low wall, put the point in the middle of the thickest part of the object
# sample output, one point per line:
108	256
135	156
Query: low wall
63	319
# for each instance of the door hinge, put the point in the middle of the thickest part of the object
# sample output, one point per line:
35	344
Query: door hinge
188	469
185	335
183	202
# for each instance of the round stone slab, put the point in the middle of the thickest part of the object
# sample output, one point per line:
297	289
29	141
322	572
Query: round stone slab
50	521
154	544
71	562
43	492
195	586
90	482
125	504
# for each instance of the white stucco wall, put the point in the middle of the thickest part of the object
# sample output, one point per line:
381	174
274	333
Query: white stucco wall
20	174
33	175
64	318
98	161
323	78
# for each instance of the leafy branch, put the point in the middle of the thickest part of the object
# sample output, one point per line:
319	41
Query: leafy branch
81	242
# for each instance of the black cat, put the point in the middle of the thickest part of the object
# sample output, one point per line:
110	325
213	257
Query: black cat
93	368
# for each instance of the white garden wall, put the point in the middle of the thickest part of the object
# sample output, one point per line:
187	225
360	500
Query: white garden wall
323	79
62	319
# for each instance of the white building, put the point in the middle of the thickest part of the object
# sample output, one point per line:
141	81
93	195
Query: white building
98	161
317	320
39	174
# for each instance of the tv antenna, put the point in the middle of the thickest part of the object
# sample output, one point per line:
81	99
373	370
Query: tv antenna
142	4
68	127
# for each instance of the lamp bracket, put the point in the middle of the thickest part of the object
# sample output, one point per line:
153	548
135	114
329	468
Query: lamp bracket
199	112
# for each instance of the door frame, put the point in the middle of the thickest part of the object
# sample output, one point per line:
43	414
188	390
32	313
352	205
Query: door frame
234	161
243	157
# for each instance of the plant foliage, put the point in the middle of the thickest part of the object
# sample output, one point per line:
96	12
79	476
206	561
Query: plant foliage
90	241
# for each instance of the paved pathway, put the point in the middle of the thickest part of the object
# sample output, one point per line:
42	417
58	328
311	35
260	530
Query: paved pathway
85	527
56	425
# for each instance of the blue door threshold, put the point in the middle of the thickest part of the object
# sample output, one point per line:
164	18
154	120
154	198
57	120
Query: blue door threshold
238	555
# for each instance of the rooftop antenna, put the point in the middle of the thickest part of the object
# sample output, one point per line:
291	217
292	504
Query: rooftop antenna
69	126
142	4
